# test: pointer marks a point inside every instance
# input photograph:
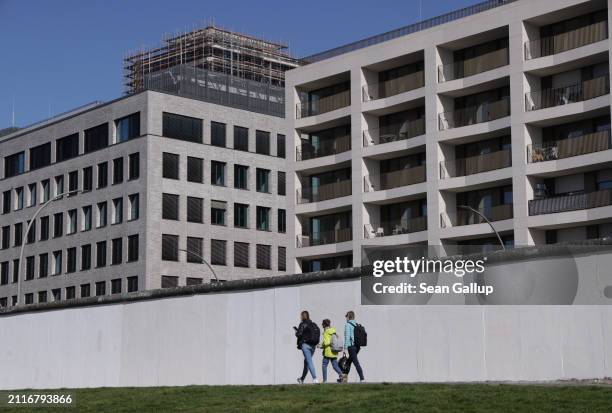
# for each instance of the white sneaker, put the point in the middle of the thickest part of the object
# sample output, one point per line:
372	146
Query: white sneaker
315	381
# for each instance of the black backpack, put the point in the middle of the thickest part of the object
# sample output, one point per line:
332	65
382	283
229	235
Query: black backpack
360	336
313	335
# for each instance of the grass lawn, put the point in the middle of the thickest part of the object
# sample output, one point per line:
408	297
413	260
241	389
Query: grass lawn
354	398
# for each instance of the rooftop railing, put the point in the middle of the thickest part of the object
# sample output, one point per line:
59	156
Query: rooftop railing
393	87
473	66
573	39
329	147
476	164
548	98
566	148
395	179
323	105
396	132
324	237
484	112
467	217
324	192
388	228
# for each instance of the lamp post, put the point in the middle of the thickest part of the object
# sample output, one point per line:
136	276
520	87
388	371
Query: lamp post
469	208
27	231
202	261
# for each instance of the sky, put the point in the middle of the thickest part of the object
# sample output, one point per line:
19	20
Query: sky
56	55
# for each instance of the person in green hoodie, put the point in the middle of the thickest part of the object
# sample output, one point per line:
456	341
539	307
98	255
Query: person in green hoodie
329	355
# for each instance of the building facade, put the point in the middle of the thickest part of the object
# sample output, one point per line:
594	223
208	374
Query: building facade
499	110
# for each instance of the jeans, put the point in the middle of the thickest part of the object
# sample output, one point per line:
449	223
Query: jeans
308	352
334	363
352	359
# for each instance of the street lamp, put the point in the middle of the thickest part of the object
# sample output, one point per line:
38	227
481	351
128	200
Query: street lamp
27	231
202	261
469	208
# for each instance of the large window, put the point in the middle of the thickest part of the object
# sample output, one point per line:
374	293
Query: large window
132	284
218	252
195	169
217	173
43	265
132	248
87	179
182	127
170	166
264	257
128	127
117	171
241	254
217	212
194	249
58	224
102	175
71	260
262	178
40	156
96	138
282	183
85	257
57	262
170	247
170	206
116	251
282	258
217	134
14	164
241	216
134	166
241	176
67	147
282	221
262	142
263	218
101	254
195	209
280	146
241	139
6	202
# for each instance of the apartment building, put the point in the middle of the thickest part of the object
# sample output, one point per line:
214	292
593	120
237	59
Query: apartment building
497	112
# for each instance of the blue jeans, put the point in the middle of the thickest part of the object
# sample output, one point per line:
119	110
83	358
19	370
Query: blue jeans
308	352
353	350
336	367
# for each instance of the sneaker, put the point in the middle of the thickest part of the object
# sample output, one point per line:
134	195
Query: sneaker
300	380
315	381
362	381
339	380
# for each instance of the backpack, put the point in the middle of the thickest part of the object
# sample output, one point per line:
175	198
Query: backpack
314	334
336	344
360	337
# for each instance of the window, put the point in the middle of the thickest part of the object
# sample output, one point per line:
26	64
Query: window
18	229
262	142
241	139
264	257
134	166
263	218
57	294
241	254
132	248
4	273
282	221
280	146
217	173
29	298
15	270
128	127
70	293
116	251
102	214
117	171
241	176
73	181
46	190
32	195
182	127
217	212
40	156
100	288
241	216
117	210
6	237
194	249
195	209
217	252
85	290
87	179
282	258
170	247
96	138
31	235
19	198
44	228
282	183
195	169
170	206
102	175
57	262
116	286
59	185
3	302
71	260
42	296
85	257
134	205
132	284
217	134
43	265
58	225
169	281
87	218
170	166
72	221
30	265
193	281
67	147
262	178
14	164
6	202
100	254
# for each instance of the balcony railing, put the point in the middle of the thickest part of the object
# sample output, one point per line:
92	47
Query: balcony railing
485	112
548	98
566	148
324	192
395	132
323	105
331	147
393	87
570	202
476	164
394	179
467	217
396	227
325	237
473	66
566	41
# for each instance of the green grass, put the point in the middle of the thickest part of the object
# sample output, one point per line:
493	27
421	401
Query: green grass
339	398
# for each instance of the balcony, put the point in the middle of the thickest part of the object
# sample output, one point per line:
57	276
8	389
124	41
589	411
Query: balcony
570	202
324	104
473	66
574	39
485	112
393	87
468	217
329	147
548	98
394	179
324	192
395	132
325	237
476	164
395	227
566	148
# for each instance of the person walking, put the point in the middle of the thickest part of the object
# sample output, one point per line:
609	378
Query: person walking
330	346
308	335
351	346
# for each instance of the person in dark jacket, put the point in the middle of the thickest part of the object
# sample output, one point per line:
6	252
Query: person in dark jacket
304	334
